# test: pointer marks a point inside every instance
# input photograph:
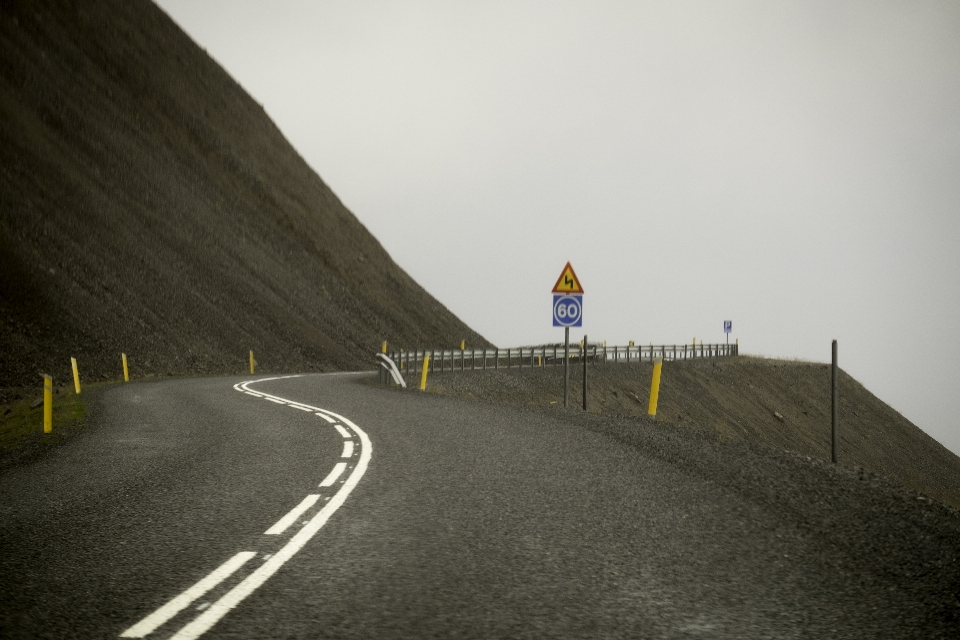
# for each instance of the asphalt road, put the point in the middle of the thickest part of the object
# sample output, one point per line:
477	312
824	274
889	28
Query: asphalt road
449	519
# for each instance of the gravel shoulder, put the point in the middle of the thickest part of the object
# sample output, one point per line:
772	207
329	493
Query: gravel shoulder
884	557
777	405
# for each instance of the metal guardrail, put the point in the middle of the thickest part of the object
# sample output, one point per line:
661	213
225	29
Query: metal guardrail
441	360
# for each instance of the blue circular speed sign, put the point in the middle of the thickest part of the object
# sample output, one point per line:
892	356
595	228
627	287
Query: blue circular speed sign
567	311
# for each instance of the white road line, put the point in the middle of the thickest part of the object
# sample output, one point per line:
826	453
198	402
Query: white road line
343	432
248	585
326	417
347	449
291	517
274	400
296	406
251	393
182	601
333	475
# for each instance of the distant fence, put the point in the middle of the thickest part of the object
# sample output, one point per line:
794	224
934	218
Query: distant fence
550	356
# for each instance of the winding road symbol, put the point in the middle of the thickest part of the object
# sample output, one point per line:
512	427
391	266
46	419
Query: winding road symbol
568	282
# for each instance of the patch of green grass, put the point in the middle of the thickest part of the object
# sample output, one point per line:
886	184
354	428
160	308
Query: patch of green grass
21	426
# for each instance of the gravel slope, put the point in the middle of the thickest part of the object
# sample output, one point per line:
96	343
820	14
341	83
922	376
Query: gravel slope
781	405
149	206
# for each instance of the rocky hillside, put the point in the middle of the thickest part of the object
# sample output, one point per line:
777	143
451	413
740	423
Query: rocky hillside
149	206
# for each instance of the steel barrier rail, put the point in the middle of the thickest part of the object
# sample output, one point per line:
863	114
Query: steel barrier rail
443	360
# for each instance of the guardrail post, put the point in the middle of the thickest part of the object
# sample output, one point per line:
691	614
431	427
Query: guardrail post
76	375
584	358
47	403
655	388
426	368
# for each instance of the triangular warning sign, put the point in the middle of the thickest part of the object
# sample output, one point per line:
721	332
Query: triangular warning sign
568	282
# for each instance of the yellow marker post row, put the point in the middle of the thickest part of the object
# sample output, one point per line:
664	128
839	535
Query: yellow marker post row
76	375
47	403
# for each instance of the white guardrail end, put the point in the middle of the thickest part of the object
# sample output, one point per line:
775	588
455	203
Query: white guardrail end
390	366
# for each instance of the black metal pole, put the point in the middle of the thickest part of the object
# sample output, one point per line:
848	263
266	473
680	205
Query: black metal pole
566	363
584	372
834	405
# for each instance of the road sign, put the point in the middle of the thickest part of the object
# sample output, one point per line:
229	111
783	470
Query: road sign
727	326
568	282
567	310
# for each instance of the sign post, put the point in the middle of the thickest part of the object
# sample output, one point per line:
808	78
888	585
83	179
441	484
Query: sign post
834	405
567	312
727	328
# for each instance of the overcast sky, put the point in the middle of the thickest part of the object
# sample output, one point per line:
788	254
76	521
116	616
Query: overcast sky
792	167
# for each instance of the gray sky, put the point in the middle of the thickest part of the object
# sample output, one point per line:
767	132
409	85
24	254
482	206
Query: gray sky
792	167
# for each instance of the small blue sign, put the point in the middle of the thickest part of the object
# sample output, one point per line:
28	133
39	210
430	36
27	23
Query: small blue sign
567	310
727	326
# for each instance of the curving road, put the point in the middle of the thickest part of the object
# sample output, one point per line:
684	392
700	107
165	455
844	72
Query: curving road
319	507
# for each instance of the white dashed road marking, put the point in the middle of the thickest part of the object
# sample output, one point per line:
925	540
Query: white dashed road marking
182	601
212	612
291	517
337	470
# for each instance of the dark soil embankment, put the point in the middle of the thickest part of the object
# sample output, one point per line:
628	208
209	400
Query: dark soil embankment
149	206
740	399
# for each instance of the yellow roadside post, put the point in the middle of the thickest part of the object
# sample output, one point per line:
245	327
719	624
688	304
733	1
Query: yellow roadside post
423	375
463	345
47	403
252	362
76	375
126	372
655	387
383	349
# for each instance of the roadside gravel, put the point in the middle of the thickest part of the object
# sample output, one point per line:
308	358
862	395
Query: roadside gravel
884	547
